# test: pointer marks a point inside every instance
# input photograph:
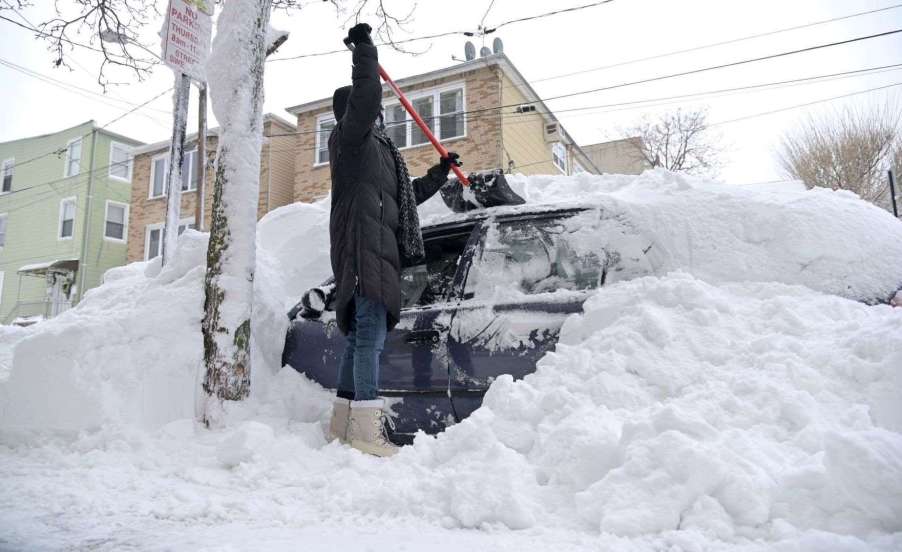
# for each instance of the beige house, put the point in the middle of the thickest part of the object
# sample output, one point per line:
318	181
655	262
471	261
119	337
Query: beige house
462	103
148	197
618	156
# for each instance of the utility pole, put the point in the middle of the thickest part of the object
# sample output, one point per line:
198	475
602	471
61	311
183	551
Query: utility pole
201	157
83	258
892	192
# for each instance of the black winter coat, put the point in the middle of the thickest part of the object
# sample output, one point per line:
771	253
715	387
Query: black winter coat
363	224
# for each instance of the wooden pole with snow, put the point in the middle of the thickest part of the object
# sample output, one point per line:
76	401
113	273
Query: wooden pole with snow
186	44
235	75
176	163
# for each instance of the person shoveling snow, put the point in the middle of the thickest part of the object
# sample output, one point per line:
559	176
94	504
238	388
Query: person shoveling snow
374	230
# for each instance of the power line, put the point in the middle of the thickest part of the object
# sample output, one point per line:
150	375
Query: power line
716	44
70	87
547	14
449	33
726	65
59	151
807	104
480	113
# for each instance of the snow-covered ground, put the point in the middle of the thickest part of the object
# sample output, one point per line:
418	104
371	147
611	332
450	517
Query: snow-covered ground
737	397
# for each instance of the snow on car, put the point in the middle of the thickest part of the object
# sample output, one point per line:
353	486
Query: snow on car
738	391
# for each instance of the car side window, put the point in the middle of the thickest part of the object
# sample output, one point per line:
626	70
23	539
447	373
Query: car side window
571	251
430	283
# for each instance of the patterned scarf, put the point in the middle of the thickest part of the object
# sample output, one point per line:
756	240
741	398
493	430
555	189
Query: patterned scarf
410	238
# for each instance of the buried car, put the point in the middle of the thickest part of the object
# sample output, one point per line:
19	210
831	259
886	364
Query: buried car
490	299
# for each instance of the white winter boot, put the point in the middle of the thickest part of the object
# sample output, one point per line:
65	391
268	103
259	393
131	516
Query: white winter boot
338	425
366	431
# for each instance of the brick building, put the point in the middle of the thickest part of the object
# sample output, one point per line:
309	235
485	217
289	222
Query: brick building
462	103
148	198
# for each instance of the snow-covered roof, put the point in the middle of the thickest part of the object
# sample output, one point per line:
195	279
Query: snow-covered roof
58	264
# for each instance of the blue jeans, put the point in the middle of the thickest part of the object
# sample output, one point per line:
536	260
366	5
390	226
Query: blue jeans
358	374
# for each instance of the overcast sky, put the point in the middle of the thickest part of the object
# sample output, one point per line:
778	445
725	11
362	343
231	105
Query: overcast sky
620	31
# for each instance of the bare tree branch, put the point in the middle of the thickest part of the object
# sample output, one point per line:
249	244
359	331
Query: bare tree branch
846	150
677	141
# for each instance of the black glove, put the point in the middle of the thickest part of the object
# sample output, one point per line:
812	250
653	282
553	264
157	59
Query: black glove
360	34
451	159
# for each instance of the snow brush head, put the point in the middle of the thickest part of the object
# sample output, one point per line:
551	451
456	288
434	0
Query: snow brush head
340	101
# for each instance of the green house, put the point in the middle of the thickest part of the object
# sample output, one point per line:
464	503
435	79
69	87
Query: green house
64	202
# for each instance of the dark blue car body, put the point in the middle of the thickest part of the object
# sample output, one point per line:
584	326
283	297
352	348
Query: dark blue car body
459	330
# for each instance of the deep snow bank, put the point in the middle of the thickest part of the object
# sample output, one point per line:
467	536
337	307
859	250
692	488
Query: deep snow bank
131	351
675	414
682	409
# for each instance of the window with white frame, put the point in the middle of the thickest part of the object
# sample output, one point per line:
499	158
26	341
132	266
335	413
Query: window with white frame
67	218
559	156
189	171
441	109
153	237
116	221
73	157
158	176
577	168
9	169
120	161
324	127
3	219
159	167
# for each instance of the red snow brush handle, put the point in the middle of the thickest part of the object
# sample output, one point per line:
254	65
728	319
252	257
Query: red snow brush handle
443	153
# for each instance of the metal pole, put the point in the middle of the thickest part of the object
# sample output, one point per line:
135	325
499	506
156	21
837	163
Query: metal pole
892	192
201	157
176	162
83	258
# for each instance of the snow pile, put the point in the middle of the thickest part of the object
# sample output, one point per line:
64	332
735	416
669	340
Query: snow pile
747	410
828	241
131	353
712	407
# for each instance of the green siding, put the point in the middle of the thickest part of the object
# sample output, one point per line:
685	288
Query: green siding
33	208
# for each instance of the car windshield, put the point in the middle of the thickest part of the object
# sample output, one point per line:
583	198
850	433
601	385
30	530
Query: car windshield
566	252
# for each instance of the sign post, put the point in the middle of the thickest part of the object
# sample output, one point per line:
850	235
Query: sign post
186	45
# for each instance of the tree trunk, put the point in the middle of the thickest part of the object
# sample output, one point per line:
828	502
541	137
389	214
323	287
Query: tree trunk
235	72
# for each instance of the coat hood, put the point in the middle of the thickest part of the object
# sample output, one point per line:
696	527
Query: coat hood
340	101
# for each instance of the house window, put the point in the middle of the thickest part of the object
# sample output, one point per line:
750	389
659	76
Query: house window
189	171
120	161
396	124
159	167
323	129
577	168
73	157
67	218
153	239
9	169
116	221
451	123
3	229
158	176
559	156
442	110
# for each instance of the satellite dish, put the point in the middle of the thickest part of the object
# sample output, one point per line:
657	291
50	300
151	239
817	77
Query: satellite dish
484	51
497	46
469	51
